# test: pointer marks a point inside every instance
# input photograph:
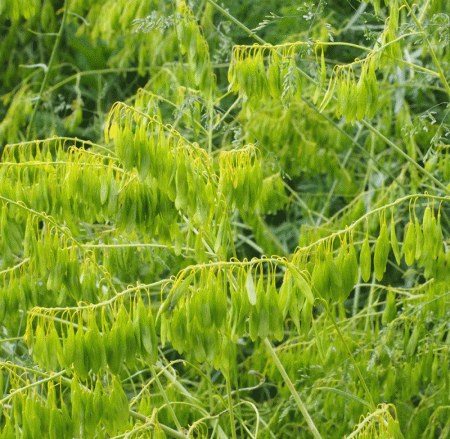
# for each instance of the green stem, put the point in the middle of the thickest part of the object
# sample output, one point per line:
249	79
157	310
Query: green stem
166	400
294	393
237	22
165	428
406	156
430	48
211	120
47	73
230	404
352	358
366	124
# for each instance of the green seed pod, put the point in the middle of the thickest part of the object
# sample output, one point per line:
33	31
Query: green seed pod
361	95
81	362
390	311
419	241
254	323
409	244
218	303
97	400
77	408
118	402
54	348
274	81
69	348
413	340
394	242
365	260
39	347
114	352
335	286
276	321
382	248
250	287
95	348
306	317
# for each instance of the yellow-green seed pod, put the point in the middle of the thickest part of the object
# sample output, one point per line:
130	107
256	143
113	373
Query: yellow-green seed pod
365	260
390	311
361	95
394	242
381	254
409	244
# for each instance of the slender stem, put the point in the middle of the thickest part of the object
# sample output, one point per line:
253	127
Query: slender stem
230	403
366	124
430	48
406	156
47	73
237	22
166	400
165	428
211	120
294	393
352	358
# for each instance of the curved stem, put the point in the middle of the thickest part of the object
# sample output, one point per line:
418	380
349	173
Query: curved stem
47	73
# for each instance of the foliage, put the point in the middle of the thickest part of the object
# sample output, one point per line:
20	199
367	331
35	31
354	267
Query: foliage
205	237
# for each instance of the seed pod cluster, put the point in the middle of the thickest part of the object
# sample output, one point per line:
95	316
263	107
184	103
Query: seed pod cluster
207	305
182	171
334	278
240	178
423	243
356	99
45	415
98	347
194	45
249	76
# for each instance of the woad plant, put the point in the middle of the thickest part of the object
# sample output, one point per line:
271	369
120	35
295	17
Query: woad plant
212	231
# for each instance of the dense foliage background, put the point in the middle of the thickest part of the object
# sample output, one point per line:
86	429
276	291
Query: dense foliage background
225	219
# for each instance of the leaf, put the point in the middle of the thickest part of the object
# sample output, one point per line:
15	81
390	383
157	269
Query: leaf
346	395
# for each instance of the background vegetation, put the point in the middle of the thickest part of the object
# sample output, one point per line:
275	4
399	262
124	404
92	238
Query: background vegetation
224	219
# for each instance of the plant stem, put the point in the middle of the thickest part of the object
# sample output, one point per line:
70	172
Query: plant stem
164	428
47	73
366	124
237	22
230	403
431	50
406	156
166	400
294	393
352	358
